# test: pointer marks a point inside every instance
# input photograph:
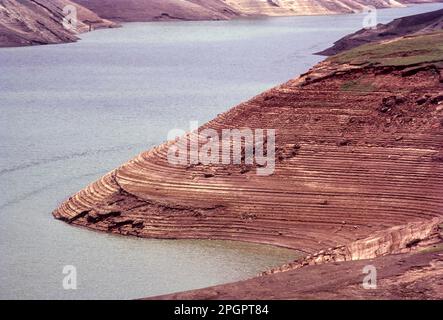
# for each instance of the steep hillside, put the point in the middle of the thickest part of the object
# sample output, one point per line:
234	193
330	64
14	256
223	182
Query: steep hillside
359	149
142	10
408	258
417	24
306	7
30	22
40	22
147	10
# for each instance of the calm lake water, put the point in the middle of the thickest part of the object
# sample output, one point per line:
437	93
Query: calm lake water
70	113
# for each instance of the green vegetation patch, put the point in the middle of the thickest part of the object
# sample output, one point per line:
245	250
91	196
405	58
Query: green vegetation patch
436	248
401	52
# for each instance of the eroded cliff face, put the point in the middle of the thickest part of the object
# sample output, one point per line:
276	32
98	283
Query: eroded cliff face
396	240
406	262
358	151
401	276
33	22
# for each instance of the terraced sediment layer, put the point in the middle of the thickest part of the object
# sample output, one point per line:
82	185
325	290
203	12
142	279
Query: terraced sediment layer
359	150
408	257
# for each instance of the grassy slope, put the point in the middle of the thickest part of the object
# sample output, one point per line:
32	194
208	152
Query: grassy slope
401	52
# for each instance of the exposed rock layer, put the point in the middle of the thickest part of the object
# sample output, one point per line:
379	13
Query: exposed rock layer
359	150
399	239
405	276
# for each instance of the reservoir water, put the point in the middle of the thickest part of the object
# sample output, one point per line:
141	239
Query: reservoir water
70	113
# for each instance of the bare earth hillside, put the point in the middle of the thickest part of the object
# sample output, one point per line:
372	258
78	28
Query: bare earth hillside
416	24
359	167
148	10
40	22
31	22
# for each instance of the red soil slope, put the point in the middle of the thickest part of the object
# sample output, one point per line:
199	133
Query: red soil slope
359	175
405	276
359	150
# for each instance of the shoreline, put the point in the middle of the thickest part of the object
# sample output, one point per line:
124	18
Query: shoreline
357	181
209	202
118	23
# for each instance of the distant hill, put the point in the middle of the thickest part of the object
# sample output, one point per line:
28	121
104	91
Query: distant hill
35	22
31	22
148	10
151	10
417	24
